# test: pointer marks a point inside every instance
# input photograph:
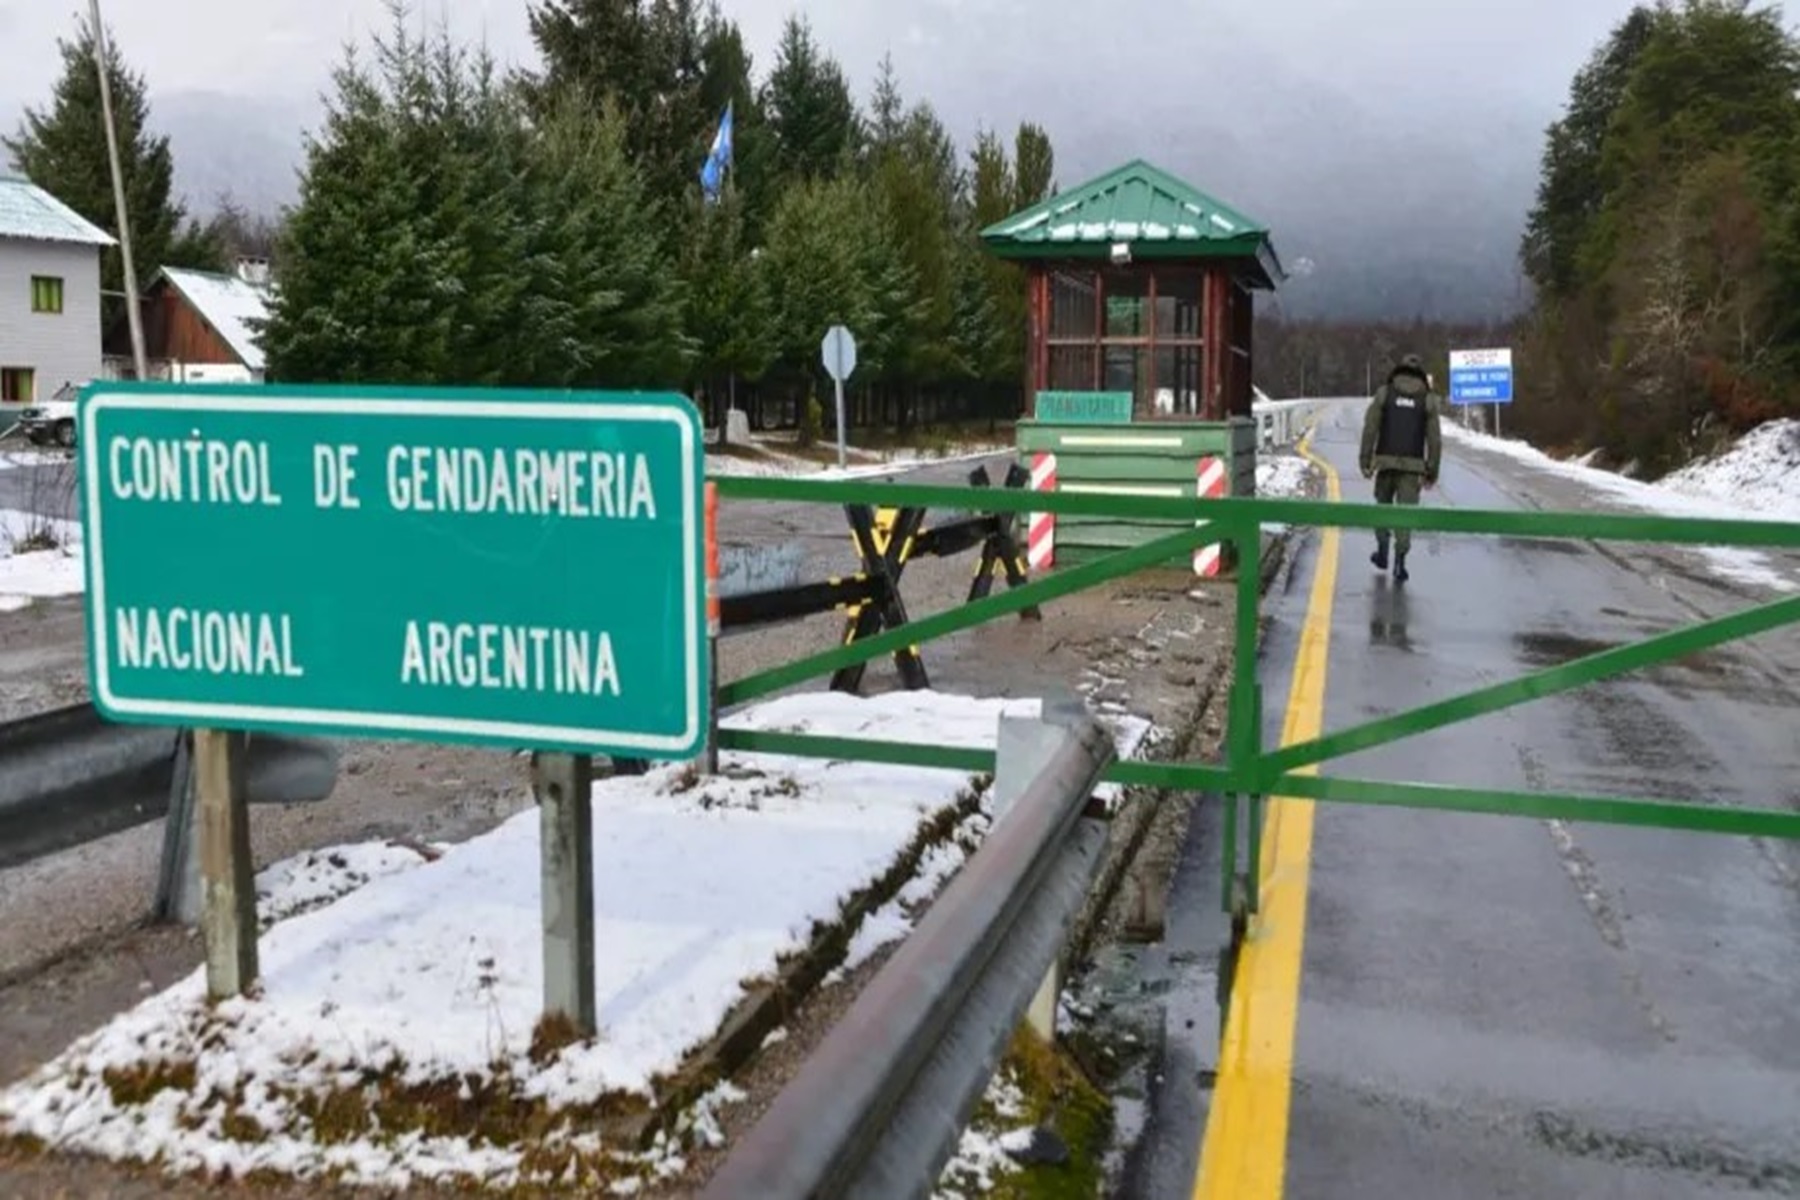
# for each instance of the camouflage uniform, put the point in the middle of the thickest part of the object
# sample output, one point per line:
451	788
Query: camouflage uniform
1402	447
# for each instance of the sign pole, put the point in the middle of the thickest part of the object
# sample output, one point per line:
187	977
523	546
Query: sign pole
710	762
838	386
228	881
838	353
563	785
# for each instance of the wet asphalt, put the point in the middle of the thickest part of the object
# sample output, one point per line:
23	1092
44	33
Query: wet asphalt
1495	1006
1502	1007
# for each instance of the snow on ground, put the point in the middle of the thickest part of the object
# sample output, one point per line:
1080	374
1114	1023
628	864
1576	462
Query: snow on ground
313	880
1761	473
1282	476
981	1158
429	974
1746	483
35	574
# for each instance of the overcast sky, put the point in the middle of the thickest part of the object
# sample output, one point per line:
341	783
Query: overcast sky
1508	51
1363	131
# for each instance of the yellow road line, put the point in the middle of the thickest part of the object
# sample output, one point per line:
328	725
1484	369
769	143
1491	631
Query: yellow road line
1244	1154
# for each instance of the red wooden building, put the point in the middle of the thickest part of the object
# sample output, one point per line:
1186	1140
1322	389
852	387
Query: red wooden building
1140	283
1139	352
199	327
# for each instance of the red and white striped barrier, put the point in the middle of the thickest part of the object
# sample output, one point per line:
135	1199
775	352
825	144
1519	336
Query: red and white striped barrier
1210	480
1040	545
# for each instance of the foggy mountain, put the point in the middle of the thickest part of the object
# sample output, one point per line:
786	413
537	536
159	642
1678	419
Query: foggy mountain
1406	192
250	148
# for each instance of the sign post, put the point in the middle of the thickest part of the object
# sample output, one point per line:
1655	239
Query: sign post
1482	377
506	568
838	350
564	787
228	884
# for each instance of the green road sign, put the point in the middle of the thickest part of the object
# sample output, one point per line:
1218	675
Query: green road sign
516	568
1084	408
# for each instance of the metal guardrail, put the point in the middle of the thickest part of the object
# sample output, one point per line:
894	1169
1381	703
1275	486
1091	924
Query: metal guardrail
1281	422
878	1108
68	777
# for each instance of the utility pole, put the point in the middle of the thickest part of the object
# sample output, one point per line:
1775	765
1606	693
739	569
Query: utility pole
102	62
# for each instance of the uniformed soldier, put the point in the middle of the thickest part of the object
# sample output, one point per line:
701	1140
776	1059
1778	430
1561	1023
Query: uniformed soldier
1401	448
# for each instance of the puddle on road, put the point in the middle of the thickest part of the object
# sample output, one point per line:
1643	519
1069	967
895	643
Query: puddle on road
1550	648
1543	546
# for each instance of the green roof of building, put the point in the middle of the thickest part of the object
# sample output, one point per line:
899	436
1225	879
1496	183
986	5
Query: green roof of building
1147	209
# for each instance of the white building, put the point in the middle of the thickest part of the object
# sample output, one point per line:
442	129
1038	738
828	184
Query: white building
49	295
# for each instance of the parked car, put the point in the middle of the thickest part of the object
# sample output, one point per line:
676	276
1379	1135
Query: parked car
51	422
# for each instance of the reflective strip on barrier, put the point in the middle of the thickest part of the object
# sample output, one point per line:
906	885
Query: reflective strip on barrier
1210	484
1040	546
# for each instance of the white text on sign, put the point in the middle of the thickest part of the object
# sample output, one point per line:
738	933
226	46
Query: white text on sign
419	479
415	479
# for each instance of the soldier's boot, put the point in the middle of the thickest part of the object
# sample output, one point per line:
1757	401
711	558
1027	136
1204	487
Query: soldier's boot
1400	574
1380	557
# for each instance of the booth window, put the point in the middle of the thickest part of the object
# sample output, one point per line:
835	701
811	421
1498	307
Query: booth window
1130	329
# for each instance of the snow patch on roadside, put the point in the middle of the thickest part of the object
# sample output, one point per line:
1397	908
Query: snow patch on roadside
1283	476
392	976
1751	483
1760	474
30	575
981	1159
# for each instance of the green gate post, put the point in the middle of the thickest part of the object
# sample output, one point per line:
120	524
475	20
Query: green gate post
1243	739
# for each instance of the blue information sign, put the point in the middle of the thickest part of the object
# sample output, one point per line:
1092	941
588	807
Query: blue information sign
1481	377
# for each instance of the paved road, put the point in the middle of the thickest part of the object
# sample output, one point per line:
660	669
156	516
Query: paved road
1493	1006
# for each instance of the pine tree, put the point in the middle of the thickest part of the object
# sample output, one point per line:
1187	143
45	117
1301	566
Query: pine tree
729	314
816	261
809	106
368	285
605	237
1666	237
1034	166
1570	190
913	192
994	193
646	57
62	148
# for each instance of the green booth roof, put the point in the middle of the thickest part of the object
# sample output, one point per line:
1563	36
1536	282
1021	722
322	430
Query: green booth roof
1157	215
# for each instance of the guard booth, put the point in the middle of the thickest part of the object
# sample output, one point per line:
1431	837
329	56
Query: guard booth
1138	354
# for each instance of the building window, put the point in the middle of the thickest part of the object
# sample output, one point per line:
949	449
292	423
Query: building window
1136	329
17	385
46	294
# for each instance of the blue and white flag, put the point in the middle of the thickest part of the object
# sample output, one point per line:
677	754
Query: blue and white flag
718	159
